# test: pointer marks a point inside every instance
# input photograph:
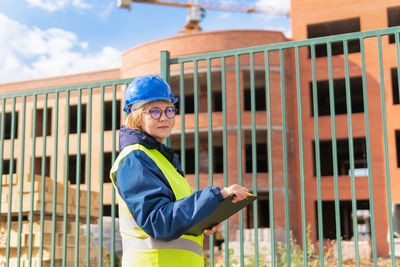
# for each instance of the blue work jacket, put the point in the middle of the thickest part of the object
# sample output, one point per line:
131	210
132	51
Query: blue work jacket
149	196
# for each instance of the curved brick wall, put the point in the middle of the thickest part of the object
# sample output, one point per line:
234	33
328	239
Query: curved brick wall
144	59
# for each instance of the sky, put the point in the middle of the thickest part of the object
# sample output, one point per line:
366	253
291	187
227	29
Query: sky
47	38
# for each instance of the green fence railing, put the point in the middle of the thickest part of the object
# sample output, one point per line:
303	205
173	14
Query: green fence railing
302	55
49	211
308	132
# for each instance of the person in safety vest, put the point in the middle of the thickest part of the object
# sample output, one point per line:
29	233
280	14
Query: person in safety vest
156	204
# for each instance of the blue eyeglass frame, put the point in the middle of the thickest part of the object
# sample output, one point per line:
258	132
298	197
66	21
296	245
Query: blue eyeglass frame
156	113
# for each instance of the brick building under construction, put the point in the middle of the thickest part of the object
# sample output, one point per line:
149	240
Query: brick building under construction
213	90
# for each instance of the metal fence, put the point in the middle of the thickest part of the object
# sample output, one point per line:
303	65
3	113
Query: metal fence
311	127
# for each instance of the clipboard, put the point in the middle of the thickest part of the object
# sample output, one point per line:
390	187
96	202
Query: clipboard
225	210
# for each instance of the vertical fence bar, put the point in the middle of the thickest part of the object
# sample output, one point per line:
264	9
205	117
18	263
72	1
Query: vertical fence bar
32	176
182	113
210	147
285	167
317	157
66	173
368	140
21	182
101	178
270	168
196	122
165	74
11	175
301	155
225	153
2	131
351	152
55	159
113	156
385	138
89	175
254	157
239	147
78	177
43	178
164	65
334	155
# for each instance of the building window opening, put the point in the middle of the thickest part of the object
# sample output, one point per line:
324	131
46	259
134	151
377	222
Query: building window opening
8	124
217	101
396	220
398	147
259	99
218	159
346	220
72	163
343	161
333	28
107	210
263	212
189	105
108	115
393	14
261	157
107	165
6	166
395	86
339	87
189	160
38	166
40	120
73	119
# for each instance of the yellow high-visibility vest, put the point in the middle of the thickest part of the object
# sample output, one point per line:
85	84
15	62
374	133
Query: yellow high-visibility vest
139	249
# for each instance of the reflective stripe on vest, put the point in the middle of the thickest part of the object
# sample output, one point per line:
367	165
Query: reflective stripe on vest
133	237
133	244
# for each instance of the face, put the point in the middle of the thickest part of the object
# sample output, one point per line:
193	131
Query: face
160	128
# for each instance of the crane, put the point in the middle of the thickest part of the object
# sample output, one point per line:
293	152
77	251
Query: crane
197	11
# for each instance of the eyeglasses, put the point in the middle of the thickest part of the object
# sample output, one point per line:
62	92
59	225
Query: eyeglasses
156	113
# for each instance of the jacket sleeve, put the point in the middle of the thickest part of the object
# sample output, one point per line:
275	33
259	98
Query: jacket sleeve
151	201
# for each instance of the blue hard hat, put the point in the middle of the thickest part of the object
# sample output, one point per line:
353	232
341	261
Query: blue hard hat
147	88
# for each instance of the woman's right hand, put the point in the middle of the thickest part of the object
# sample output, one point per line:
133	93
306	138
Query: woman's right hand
237	191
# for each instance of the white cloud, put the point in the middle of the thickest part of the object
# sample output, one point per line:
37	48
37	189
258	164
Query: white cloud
31	53
270	5
48	5
54	5
80	4
225	15
105	13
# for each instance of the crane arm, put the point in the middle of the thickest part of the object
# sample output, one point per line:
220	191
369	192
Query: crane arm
213	6
196	11
165	3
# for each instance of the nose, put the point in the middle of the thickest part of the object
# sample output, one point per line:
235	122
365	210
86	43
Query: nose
163	116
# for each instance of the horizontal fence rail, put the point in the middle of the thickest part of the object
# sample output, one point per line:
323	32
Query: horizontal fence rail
311	127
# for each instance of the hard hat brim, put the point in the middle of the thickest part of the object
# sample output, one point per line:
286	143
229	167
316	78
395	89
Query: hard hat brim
128	108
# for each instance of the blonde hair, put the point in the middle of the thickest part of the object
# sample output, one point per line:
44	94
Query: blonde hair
134	119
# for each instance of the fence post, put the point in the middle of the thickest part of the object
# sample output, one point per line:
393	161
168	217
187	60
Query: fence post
165	73
164	65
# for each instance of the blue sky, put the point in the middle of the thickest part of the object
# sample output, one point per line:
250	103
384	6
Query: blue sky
46	38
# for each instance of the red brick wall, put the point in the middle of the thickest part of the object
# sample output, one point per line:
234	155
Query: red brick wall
373	15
